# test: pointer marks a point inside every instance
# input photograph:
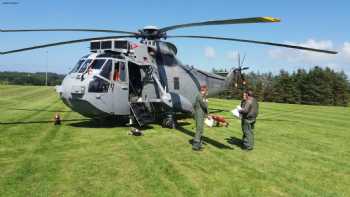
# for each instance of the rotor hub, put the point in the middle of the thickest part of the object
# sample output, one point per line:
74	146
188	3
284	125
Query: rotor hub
152	33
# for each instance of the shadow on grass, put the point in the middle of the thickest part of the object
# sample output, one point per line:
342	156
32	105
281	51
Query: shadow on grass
205	139
38	121
217	110
235	141
276	120
96	124
91	123
182	123
36	110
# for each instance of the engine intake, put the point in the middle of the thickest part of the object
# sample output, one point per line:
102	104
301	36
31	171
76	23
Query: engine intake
116	45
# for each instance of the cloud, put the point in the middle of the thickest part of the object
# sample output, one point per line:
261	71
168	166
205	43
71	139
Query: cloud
301	56
232	55
337	62
345	51
209	52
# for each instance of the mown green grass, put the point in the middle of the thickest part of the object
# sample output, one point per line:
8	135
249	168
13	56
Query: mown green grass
300	151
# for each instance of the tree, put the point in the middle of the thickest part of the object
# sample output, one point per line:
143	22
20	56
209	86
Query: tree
341	89
24	78
318	86
284	88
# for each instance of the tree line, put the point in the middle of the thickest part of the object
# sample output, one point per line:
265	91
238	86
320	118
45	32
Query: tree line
317	86
26	78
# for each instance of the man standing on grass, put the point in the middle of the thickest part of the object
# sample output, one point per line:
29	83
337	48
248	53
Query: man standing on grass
200	110
249	112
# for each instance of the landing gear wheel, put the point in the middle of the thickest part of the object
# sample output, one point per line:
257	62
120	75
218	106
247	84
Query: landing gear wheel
169	121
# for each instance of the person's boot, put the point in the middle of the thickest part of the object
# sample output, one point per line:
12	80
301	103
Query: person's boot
247	148
196	146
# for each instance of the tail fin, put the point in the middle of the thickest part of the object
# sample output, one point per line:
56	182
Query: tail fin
236	77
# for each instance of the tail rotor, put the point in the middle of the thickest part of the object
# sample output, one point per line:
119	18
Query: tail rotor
240	81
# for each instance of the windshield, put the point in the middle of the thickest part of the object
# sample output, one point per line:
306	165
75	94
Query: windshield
97	63
84	66
77	66
106	70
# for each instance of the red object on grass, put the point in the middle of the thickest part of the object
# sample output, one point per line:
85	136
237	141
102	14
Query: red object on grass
218	118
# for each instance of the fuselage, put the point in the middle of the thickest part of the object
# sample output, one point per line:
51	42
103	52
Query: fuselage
104	84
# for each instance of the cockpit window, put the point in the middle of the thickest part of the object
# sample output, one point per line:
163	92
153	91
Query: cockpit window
97	63
106	70
98	85
84	66
77	66
122	71
119	71
169	59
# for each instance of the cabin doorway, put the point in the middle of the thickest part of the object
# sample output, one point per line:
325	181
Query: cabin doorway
135	82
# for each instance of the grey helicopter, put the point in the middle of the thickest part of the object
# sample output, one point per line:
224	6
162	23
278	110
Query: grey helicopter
143	80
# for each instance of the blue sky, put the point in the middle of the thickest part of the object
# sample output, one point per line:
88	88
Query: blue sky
322	24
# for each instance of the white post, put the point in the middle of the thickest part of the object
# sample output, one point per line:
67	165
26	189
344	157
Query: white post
47	65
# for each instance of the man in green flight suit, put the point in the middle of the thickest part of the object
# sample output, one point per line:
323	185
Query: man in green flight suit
249	112
200	111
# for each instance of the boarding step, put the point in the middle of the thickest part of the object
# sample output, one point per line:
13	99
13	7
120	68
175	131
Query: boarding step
141	113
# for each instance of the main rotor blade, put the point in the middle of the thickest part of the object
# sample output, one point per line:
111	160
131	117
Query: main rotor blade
63	43
223	22
65	29
259	42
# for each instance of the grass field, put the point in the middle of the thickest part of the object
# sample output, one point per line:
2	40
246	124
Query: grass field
300	151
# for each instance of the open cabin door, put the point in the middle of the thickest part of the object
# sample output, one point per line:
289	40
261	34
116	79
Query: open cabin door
120	88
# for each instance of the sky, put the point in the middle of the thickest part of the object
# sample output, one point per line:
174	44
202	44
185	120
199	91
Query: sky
319	24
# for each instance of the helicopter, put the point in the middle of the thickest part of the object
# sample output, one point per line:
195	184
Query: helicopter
143	80
239	78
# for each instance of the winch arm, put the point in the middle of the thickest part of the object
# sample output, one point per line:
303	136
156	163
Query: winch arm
164	95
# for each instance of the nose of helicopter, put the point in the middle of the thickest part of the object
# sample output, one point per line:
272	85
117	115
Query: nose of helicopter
64	91
72	92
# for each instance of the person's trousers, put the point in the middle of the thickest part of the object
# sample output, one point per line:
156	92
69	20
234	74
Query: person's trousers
248	134
197	140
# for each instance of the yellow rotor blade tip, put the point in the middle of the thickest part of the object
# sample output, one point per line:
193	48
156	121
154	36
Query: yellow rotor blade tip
271	19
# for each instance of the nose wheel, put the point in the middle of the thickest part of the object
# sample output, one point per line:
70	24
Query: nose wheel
169	121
